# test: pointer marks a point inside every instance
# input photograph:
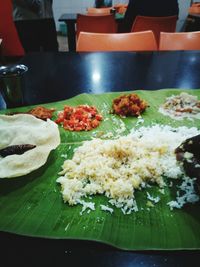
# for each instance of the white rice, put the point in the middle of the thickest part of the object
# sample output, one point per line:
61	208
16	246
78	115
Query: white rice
116	168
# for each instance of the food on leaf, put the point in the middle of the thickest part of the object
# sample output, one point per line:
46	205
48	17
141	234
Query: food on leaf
189	154
117	168
16	149
23	129
129	105
39	112
181	106
80	118
42	112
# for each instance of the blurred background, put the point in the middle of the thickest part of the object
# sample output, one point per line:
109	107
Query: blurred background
80	6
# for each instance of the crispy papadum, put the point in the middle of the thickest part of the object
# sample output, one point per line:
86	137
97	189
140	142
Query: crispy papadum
26	129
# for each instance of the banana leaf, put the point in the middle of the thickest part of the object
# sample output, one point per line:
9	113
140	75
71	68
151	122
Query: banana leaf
32	205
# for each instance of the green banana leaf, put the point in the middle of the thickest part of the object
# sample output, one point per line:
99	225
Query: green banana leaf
32	205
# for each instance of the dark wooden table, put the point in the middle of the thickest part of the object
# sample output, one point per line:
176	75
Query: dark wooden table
70	21
57	76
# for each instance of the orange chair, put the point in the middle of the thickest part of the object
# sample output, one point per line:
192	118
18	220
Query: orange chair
11	45
99	11
179	41
139	41
155	24
100	24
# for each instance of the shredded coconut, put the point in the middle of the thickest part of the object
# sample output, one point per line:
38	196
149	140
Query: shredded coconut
140	120
86	205
106	208
153	199
186	194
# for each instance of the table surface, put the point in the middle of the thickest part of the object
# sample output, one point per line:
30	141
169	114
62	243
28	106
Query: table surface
57	76
73	16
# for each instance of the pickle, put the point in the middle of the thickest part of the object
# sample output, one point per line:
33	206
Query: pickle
15	149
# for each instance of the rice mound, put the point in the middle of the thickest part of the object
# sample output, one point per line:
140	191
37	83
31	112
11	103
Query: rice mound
118	167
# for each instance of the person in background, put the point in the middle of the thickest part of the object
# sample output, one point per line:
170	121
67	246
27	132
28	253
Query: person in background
11	45
153	8
99	3
35	24
103	3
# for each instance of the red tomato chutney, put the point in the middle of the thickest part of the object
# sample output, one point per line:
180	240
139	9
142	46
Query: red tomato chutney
80	118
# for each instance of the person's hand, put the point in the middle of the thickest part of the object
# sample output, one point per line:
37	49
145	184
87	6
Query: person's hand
196	5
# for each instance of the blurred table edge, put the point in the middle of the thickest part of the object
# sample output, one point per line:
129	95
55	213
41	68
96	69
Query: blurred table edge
38	251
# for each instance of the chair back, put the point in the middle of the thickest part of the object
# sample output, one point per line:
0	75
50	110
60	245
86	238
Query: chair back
99	11
138	41
100	24
11	45
179	41
155	24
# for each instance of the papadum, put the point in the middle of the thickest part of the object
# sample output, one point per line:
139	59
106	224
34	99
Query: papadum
26	129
